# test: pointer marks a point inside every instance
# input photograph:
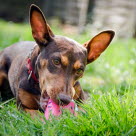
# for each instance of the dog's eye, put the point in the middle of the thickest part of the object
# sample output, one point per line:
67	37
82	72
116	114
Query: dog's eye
56	61
79	71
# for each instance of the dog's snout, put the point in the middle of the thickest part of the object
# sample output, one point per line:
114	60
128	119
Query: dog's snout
64	99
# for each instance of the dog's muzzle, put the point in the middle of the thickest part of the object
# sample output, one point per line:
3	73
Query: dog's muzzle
64	99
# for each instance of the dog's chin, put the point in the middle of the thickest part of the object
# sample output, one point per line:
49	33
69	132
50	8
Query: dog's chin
44	101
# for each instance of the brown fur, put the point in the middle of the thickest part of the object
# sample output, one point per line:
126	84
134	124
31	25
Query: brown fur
64	60
28	100
3	76
79	95
77	64
43	63
58	63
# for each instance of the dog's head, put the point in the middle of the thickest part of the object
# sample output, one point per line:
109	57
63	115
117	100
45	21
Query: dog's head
62	61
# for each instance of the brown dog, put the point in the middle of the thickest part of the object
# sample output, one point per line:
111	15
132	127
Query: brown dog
47	68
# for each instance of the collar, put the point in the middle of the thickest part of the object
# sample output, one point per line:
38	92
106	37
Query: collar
30	71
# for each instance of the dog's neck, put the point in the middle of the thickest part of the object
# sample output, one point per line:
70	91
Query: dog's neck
33	58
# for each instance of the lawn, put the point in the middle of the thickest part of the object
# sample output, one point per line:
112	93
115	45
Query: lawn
110	81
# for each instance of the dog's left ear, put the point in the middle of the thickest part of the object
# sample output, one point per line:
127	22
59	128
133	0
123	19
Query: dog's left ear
40	29
98	44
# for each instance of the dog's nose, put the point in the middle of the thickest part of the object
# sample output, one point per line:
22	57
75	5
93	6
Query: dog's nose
64	99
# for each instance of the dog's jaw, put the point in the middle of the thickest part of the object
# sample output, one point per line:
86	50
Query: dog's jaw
44	101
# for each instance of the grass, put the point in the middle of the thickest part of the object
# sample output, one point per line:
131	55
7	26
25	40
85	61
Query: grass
110	81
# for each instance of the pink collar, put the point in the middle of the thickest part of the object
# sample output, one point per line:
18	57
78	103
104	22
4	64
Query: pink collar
30	71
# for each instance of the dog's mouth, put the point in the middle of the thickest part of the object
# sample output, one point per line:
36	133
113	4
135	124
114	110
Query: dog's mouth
54	106
44	101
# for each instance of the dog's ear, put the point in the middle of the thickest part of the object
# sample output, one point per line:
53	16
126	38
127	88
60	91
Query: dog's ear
40	29
98	44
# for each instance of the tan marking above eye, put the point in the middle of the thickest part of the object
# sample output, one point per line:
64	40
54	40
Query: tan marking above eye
43	62
77	64
64	60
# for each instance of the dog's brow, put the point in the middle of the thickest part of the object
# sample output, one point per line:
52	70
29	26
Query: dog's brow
64	60
77	64
43	62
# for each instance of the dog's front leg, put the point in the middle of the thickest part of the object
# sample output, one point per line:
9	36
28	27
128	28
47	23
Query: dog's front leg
28	102
79	93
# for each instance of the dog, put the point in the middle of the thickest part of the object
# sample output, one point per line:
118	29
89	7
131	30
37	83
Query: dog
49	68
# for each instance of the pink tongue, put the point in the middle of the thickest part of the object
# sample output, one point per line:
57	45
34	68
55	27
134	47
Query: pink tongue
54	109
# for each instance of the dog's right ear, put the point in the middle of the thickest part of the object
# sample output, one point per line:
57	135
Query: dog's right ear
40	29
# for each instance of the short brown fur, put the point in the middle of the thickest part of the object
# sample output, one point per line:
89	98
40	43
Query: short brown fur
54	61
28	100
2	77
64	60
77	64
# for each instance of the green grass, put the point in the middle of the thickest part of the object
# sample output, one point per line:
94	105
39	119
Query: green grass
110	81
